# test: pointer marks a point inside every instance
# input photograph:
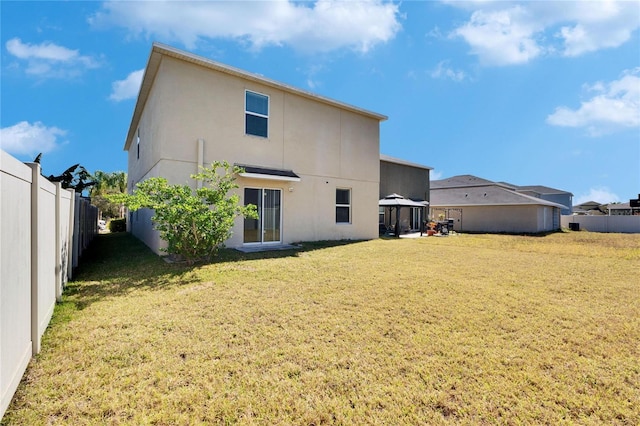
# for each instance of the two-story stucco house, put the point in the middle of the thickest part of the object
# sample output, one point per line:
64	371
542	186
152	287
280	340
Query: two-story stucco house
312	164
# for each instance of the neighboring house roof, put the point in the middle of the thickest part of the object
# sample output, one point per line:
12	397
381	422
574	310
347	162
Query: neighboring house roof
544	190
159	50
461	181
389	159
619	206
589	205
508	185
485	195
469	190
538	189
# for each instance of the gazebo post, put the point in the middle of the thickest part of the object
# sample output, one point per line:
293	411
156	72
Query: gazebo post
397	222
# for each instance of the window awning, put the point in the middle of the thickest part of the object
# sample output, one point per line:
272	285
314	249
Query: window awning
256	172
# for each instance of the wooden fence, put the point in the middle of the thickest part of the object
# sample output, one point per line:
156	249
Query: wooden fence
43	231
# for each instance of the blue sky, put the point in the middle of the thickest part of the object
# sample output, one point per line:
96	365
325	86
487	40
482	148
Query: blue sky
531	93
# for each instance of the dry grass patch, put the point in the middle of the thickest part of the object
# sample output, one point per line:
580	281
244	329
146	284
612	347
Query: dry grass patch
468	329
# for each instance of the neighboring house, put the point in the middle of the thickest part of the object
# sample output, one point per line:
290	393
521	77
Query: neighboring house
480	205
550	194
591	208
312	164
622	209
410	181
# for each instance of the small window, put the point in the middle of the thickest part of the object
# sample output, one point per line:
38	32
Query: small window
256	114
343	205
138	145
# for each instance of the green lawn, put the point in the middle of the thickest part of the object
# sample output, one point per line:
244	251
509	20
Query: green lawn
466	329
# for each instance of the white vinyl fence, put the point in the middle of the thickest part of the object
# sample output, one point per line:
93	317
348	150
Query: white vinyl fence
43	231
622	224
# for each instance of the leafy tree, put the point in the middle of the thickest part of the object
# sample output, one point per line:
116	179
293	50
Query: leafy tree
106	184
195	223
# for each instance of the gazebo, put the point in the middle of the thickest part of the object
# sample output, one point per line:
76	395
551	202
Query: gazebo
396	201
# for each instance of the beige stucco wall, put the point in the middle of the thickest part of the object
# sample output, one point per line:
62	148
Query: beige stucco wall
327	146
509	219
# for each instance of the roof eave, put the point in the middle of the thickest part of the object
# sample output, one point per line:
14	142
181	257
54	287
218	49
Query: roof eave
394	160
150	70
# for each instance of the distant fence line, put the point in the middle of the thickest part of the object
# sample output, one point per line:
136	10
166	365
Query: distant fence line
617	223
44	230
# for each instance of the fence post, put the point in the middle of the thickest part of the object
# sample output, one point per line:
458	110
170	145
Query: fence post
76	230
35	188
59	260
70	245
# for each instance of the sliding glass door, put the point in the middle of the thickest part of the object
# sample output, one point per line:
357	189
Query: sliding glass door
267	228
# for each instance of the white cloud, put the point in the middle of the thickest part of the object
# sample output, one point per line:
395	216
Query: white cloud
444	71
502	33
599	194
50	60
501	37
615	106
435	175
127	88
321	26
30	139
598	25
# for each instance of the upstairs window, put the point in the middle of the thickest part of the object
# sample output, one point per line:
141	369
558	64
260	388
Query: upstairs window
138	145
256	109
343	205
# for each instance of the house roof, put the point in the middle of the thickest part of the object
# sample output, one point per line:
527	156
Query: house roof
469	181
390	159
587	205
486	195
540	189
158	51
619	206
460	181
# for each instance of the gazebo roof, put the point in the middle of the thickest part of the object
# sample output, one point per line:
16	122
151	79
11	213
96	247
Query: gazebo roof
395	200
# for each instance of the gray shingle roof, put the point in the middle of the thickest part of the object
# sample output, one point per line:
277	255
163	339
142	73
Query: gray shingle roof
460	181
468	190
540	189
485	195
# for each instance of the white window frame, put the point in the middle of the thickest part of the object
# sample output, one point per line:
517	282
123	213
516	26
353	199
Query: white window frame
138	144
344	205
247	112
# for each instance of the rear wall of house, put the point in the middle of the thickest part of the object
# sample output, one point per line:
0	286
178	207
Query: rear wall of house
327	146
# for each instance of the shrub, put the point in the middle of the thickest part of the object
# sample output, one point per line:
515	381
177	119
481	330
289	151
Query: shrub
194	223
118	225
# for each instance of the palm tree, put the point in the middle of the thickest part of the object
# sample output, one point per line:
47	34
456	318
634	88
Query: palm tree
101	180
108	183
119	183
